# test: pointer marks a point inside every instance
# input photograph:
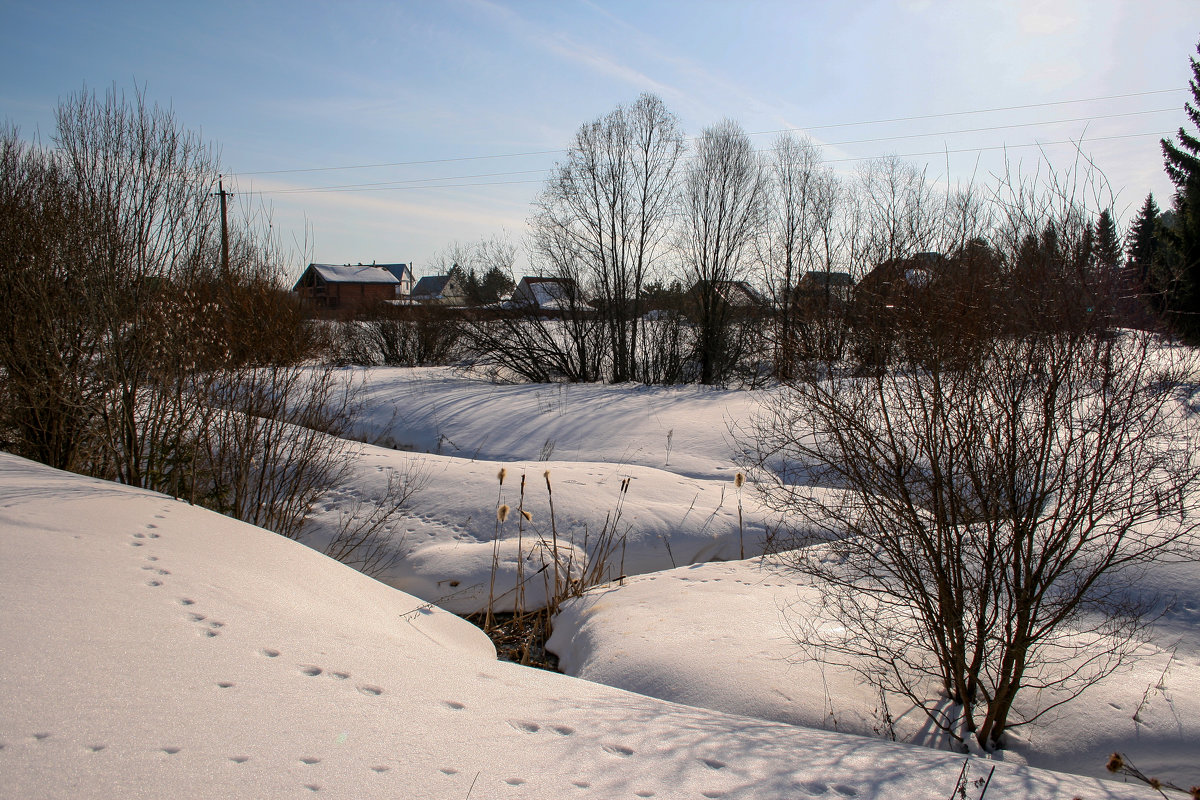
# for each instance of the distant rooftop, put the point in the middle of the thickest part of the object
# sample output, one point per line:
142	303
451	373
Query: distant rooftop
359	273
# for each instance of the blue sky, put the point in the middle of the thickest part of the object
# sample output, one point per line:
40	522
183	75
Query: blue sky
487	91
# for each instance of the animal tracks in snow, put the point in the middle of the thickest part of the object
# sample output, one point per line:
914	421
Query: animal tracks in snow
817	788
524	727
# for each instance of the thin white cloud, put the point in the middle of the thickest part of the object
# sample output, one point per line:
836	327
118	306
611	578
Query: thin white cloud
568	48
1046	17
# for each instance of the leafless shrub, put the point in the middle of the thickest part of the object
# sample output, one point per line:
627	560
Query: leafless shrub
132	348
979	506
409	336
272	441
361	539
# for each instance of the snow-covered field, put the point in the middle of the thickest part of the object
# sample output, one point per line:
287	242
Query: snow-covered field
673	444
152	649
148	648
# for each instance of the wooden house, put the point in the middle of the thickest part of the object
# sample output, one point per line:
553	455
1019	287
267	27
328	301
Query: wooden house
347	288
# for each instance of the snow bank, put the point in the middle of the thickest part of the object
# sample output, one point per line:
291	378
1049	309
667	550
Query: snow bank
153	649
681	429
718	636
444	541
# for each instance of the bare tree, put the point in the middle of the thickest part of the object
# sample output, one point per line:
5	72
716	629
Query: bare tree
900	212
977	515
484	267
722	207
48	339
132	350
604	214
800	205
148	183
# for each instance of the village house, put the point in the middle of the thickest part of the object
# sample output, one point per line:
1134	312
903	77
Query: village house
347	288
817	285
545	295
440	290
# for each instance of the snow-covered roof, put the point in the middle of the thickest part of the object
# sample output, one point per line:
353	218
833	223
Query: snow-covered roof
356	273
549	294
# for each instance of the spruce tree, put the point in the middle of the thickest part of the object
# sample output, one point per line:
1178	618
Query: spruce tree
1183	159
1108	243
1143	242
1182	163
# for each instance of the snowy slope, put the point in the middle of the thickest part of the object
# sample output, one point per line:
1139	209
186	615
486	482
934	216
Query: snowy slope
682	429
445	540
718	636
152	649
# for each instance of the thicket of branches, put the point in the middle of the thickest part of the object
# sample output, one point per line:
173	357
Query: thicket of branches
128	349
980	497
717	263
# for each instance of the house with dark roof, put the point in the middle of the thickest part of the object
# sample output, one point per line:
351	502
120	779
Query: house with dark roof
545	295
899	278
347	287
440	290
820	285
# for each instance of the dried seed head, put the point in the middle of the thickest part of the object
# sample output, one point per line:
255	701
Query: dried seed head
1155	784
501	475
546	474
1115	763
528	517
502	512
738	480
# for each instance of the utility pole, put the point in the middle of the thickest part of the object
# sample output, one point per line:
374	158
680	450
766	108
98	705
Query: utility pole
221	193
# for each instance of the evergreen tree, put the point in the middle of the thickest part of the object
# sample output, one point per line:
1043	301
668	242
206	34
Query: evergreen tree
1182	163
1183	159
1108	248
494	285
1144	242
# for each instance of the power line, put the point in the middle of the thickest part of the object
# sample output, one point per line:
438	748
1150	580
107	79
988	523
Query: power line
378	188
403	163
755	133
1007	146
977	111
999	127
400	183
397	184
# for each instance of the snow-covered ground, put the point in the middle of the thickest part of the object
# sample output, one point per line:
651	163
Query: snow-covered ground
684	430
116	660
153	649
453	435
718	636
